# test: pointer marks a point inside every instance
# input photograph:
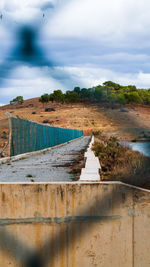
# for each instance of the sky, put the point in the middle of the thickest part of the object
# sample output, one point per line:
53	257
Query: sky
74	43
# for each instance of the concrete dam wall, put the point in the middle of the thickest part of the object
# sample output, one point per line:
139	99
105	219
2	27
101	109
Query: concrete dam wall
74	225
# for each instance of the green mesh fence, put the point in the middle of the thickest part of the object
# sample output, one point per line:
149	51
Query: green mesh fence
30	136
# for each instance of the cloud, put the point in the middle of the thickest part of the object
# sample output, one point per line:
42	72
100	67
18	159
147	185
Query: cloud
116	23
90	41
92	76
47	5
31	82
25	9
5	43
104	21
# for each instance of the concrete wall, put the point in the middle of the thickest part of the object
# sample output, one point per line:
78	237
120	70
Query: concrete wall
74	225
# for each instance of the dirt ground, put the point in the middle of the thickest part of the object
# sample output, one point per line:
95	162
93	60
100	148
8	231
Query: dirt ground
125	122
129	123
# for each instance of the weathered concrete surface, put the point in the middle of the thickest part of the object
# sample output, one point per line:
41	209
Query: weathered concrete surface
92	165
46	167
74	225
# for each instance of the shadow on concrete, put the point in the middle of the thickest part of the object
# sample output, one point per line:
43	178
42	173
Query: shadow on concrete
66	235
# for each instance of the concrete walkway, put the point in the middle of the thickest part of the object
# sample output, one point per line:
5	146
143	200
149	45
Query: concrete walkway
47	167
92	165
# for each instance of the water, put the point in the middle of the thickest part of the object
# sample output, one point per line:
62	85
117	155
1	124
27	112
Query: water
142	147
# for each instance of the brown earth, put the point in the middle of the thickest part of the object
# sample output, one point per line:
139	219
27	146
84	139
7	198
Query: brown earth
125	122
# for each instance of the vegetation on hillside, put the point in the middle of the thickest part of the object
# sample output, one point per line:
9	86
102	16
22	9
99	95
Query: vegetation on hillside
18	99
107	92
120	163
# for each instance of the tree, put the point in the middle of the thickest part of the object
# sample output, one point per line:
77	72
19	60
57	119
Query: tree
100	93
57	96
51	97
77	90
132	88
44	98
72	97
85	93
133	97
18	99
113	85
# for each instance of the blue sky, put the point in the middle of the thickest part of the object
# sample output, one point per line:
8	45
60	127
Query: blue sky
83	43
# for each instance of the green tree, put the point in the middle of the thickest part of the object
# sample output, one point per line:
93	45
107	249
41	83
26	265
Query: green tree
133	97
44	98
87	93
77	90
100	93
130	88
57	96
113	85
145	95
120	98
18	99
72	97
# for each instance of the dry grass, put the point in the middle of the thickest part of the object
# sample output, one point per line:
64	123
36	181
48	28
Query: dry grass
109	119
120	163
133	124
79	116
77	165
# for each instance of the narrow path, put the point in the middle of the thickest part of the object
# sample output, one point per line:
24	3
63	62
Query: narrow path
47	167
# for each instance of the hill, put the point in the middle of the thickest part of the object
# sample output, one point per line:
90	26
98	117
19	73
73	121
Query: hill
126	122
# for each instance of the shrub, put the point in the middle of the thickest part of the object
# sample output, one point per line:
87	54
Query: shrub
100	93
50	109
18	99
121	99
121	163
71	97
46	121
57	96
77	90
108	152
44	98
133	97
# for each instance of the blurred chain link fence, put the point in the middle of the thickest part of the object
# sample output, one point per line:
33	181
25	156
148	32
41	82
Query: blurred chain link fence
27	136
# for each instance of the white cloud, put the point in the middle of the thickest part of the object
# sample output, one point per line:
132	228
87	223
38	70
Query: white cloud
127	57
117	22
22	10
101	24
30	82
108	20
5	43
91	76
